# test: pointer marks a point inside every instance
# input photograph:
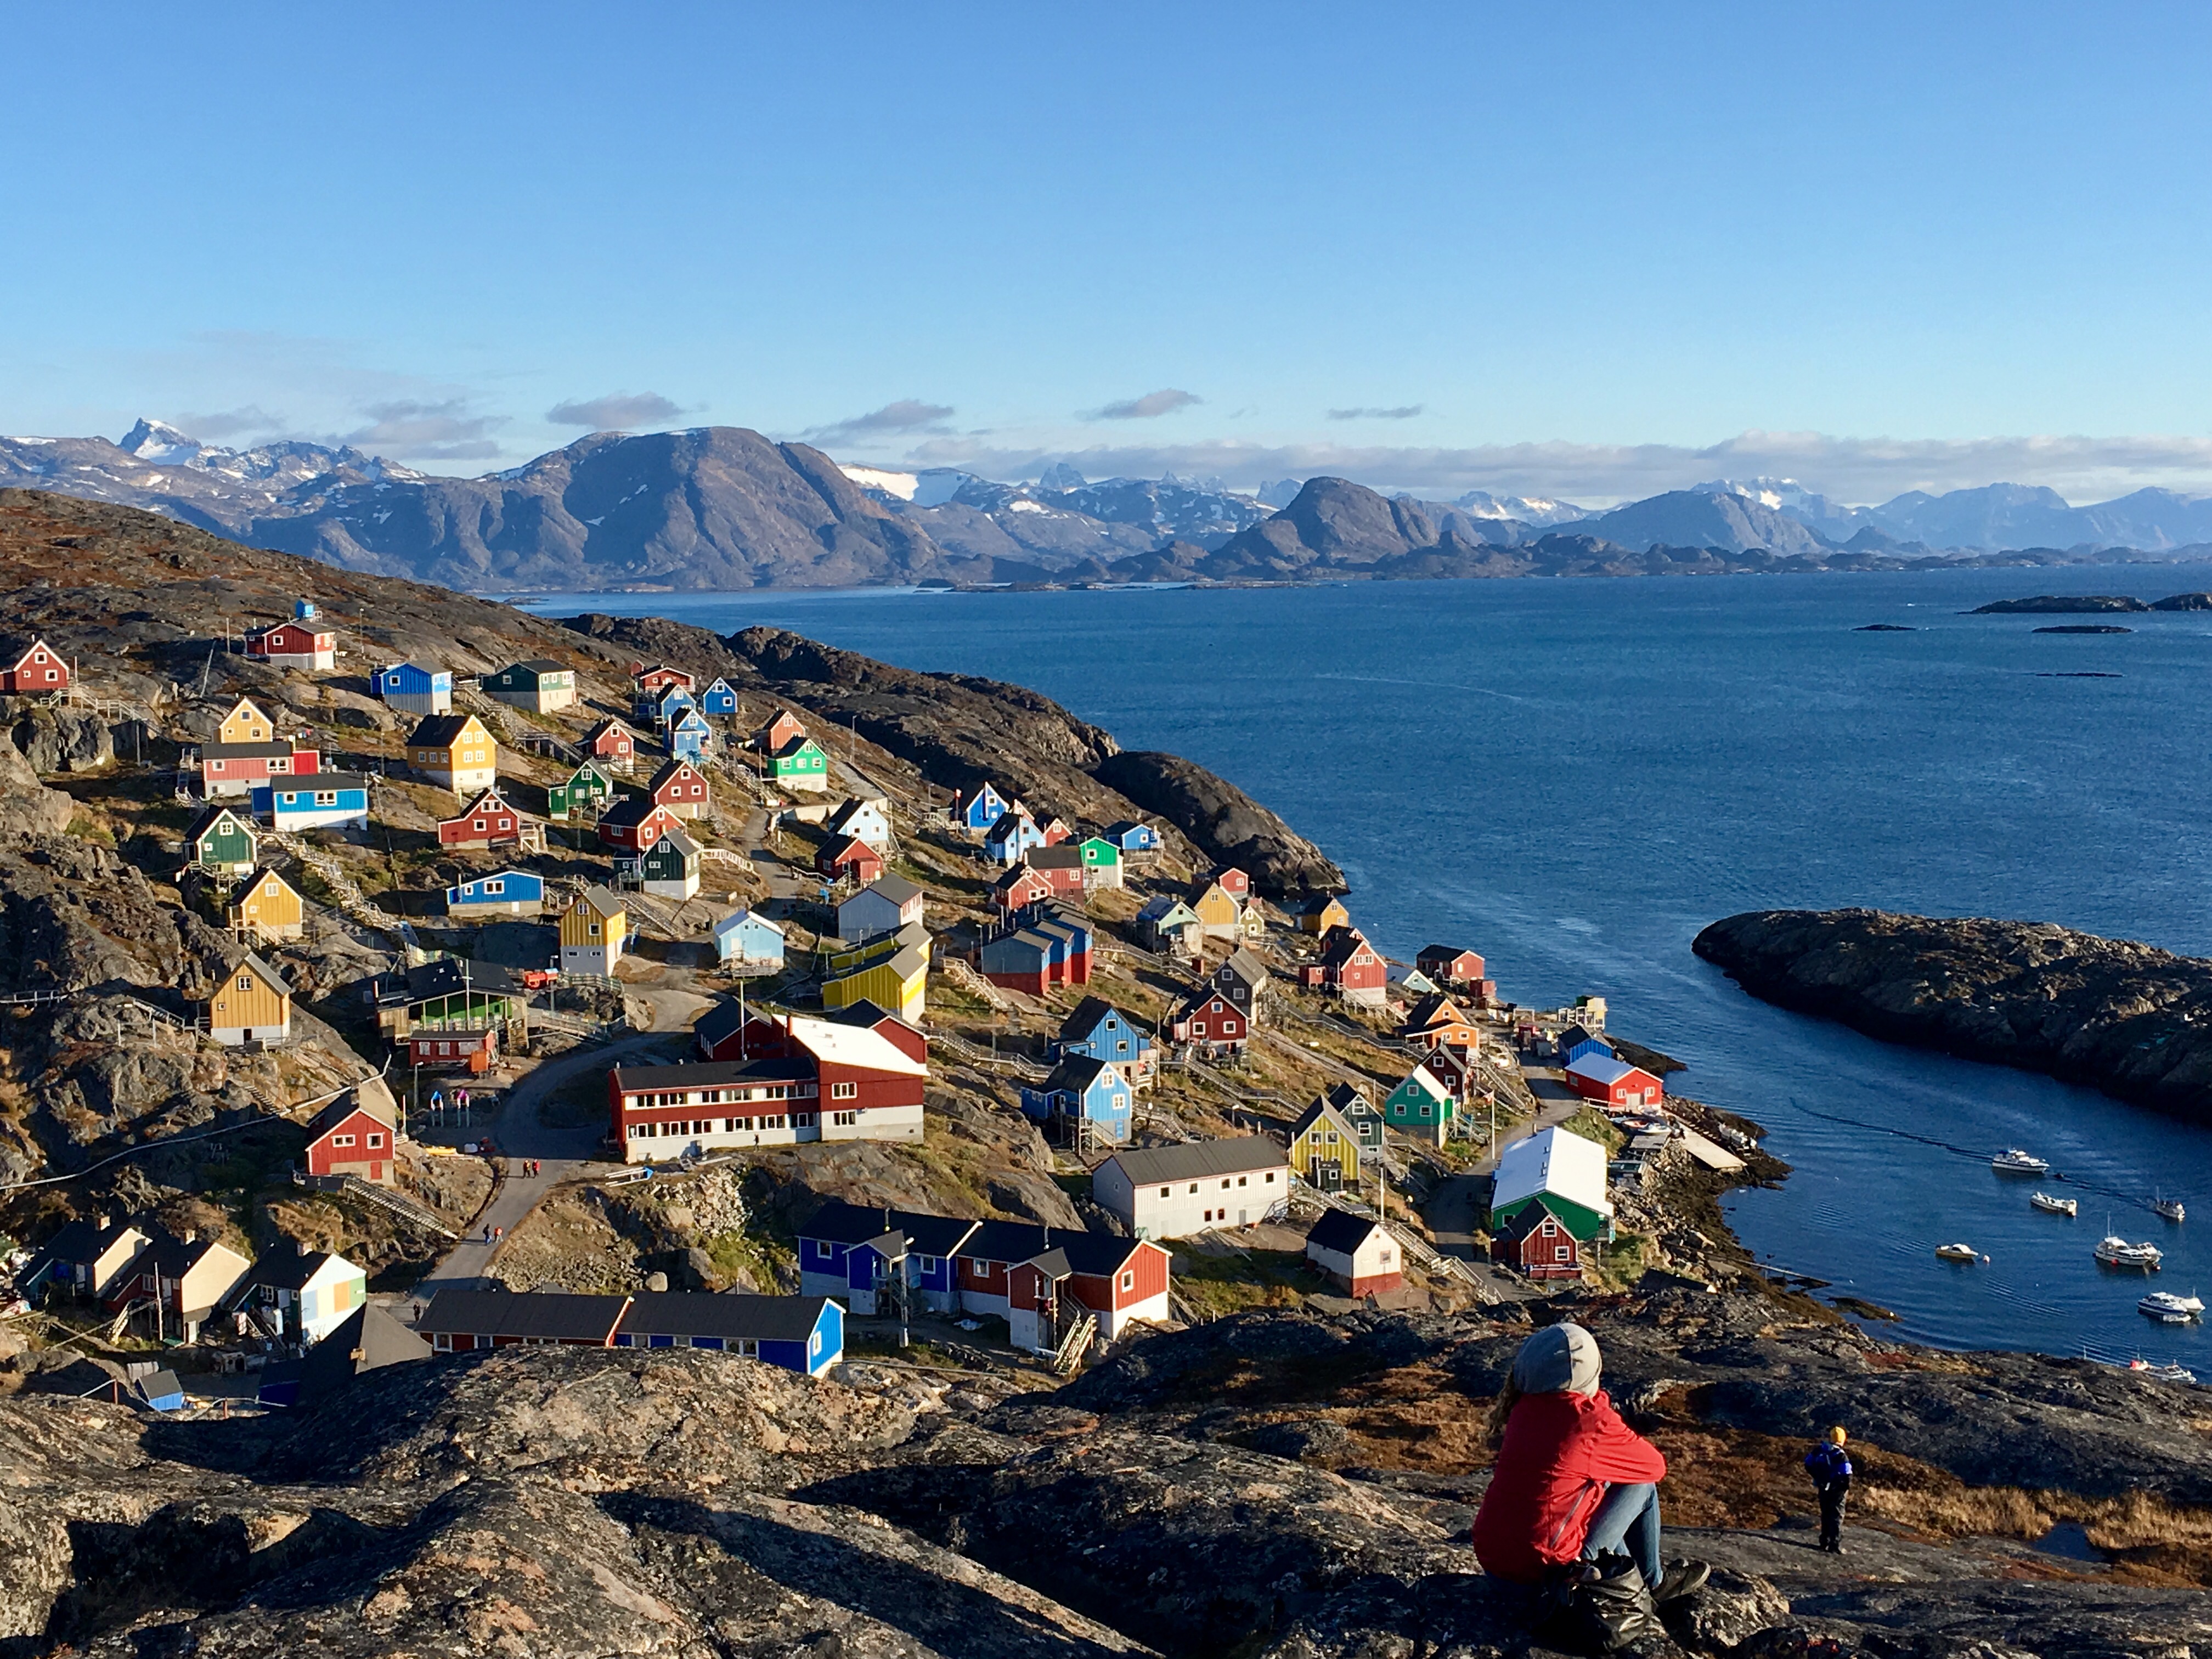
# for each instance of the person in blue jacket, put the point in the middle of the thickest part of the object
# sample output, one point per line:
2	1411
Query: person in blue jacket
1830	1466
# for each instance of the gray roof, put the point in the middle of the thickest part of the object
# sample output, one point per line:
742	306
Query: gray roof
559	1317
260	966
1202	1158
896	888
1247	966
729	1315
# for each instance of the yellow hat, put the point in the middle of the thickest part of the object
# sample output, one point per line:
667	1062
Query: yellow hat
1838	1436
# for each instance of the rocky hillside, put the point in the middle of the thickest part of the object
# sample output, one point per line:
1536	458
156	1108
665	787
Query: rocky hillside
1270	1484
2130	1019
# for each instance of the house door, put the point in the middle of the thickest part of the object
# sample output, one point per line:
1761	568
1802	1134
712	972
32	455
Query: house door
1242	1217
1331	1171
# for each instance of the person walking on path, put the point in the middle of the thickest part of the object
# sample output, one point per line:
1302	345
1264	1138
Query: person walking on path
1830	1466
1572	1481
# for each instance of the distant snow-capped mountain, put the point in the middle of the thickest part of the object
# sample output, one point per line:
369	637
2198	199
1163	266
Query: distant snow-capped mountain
1537	510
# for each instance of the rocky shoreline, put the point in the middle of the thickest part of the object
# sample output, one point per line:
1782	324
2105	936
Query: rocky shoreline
2130	1020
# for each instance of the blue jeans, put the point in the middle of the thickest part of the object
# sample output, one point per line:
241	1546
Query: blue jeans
1628	1520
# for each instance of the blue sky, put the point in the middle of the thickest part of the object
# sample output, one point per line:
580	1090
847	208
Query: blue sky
1592	251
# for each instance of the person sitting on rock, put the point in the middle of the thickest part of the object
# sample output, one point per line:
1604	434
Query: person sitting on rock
1572	1481
1830	1466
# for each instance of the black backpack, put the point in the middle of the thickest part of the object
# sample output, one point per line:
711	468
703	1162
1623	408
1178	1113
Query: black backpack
1600	1606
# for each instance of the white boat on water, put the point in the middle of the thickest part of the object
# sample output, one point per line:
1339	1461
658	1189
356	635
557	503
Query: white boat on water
2116	1252
1959	1253
2170	1209
2051	1206
2169	1308
2162	1373
2013	1161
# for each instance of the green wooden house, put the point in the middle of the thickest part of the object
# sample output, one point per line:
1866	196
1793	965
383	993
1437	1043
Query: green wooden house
1564	1172
799	764
220	840
1419	1106
584	793
1101	862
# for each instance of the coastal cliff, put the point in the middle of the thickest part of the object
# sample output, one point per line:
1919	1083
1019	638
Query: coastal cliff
2130	1019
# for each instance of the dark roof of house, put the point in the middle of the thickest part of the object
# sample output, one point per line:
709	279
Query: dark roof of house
558	1316
1435	1009
1340	1230
849	850
708	1073
896	888
677	842
541	666
1006	1241
631	811
81	1241
731	1316
438	731
287	1272
1122	827
1065	855
343	1108
1201	1158
719	1024
245	751
368	1339
1443	952
1093	1254
1574	1034
864	1013
302	783
206	821
839	1223
669	767
445	976
1348	1098
793	745
1321	1108
1075	1073
1007	822
1053	1263
604	727
167	1254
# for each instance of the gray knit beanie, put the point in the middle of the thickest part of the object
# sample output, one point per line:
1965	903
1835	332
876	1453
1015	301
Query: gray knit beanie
1557	1359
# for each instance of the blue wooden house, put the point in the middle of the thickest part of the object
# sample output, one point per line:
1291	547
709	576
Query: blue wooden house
863	1256
1083	1087
501	893
718	699
689	734
744	936
1101	1030
1132	837
316	802
414	689
802	1333
1013	835
1577	1041
670	702
979	810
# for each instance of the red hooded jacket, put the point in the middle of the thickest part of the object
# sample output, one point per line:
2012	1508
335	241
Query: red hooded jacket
1561	1452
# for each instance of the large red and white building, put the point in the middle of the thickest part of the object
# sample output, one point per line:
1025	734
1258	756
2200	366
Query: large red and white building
1614	1084
798	1079
294	645
1040	1279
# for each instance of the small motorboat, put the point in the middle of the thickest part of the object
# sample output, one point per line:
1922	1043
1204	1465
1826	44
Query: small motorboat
2116	1252
2053	1206
2143	1367
2169	1308
2171	1208
1959	1253
2013	1161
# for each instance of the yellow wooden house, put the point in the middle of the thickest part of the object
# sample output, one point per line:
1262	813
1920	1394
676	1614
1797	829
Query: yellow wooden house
455	751
895	982
1325	1149
1321	914
264	905
246	724
1219	915
592	930
253	1003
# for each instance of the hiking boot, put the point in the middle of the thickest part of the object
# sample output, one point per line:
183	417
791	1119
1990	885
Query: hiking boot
1682	1578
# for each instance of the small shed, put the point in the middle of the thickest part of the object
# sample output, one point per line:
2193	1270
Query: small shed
884	906
1356	1252
849	858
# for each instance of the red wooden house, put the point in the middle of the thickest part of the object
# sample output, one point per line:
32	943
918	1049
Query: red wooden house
474	1050
1539	1243
1056	830
1115	1280
612	744
1349	966
1019	888
1234	882
1445	964
1452	1067
655	680
37	667
634	823
850	857
1061	867
1211	1022
681	787
351	1137
1614	1084
781	728
487	821
294	645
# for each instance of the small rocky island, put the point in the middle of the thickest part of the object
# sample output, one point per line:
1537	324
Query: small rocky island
2086	628
2058	604
2130	1019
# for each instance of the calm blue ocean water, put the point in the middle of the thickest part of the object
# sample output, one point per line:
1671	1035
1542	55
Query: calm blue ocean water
1574	777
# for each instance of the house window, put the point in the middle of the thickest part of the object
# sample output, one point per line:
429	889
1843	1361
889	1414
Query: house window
845	1119
1561	1253
246	981
844	1091
326	798
341	1140
1166	1191
495	887
1129	1281
1198	1028
1193	1188
215	766
1225	1185
376	1140
640	1131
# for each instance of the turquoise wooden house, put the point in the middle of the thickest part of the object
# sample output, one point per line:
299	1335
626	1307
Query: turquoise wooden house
584	794
689	734
802	763
979	810
222	840
1419	1106
718	700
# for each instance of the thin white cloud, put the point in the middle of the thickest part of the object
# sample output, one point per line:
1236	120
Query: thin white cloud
1854	470
408	429
216	425
1150	407
618	412
1402	412
893	419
